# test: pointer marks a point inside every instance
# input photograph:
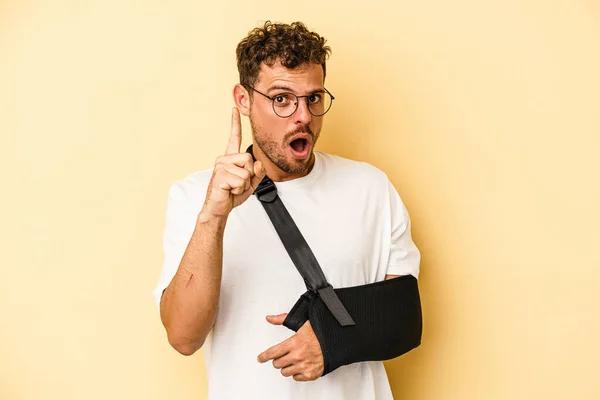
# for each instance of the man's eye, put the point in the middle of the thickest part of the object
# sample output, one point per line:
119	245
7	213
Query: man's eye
282	99
315	98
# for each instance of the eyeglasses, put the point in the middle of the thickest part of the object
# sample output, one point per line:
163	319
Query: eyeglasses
286	104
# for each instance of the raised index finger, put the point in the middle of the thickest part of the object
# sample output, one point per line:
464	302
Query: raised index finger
235	139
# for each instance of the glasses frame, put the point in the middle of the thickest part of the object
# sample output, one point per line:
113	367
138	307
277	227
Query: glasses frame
297	101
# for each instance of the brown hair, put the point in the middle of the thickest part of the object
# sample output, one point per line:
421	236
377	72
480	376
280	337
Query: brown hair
293	45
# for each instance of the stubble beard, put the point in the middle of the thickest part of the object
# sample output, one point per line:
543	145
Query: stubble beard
276	151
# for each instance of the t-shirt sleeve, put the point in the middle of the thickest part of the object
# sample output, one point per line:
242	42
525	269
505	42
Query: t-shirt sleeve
179	226
405	257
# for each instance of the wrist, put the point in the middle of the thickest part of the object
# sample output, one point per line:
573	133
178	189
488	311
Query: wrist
205	217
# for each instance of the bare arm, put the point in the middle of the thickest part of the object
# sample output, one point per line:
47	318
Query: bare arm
188	306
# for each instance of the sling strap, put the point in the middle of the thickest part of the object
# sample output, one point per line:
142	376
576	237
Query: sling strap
298	250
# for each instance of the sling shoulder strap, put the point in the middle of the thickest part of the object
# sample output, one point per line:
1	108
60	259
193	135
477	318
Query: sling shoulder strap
298	249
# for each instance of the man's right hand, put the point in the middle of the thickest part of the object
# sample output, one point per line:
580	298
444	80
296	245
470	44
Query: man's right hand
235	176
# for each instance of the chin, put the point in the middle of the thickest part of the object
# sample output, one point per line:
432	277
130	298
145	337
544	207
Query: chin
296	166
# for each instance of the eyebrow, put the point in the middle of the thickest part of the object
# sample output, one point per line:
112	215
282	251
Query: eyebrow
289	89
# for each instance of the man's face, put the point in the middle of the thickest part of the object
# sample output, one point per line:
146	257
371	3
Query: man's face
287	142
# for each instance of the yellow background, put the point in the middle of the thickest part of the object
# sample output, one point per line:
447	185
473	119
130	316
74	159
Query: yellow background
485	115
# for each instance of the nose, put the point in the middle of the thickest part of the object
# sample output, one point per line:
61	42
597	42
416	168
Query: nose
302	115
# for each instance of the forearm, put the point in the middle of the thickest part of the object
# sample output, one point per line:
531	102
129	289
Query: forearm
190	302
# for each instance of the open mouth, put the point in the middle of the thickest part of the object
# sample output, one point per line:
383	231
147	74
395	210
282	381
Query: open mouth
300	148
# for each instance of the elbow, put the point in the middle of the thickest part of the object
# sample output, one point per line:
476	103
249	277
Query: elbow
185	334
184	340
186	350
184	346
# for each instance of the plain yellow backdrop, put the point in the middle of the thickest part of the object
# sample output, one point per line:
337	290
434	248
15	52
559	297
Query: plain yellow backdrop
484	114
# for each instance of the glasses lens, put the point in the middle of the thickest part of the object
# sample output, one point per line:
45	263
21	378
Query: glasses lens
319	103
284	104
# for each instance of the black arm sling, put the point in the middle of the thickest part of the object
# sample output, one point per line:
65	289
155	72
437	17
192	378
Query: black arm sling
372	322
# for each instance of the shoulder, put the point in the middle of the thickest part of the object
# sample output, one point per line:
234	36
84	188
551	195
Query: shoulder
348	169
191	189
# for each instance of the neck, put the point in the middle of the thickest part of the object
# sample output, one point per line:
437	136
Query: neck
274	172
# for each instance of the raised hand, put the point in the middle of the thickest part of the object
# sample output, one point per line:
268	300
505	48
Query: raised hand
235	175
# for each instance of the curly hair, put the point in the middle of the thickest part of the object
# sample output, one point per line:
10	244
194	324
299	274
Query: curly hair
293	45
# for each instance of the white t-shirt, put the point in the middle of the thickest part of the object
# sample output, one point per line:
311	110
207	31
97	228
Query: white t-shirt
359	230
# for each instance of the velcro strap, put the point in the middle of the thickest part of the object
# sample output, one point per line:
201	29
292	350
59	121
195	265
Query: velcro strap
298	315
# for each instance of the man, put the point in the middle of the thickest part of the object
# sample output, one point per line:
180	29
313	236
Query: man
227	281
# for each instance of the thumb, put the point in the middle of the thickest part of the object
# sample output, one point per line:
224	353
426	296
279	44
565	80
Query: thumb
276	319
259	174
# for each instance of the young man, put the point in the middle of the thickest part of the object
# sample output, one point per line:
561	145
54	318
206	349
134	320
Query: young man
227	281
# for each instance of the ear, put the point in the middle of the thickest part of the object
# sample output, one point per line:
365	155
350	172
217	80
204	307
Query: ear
241	97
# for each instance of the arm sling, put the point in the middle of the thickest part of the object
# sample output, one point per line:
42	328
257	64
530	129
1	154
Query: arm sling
373	322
